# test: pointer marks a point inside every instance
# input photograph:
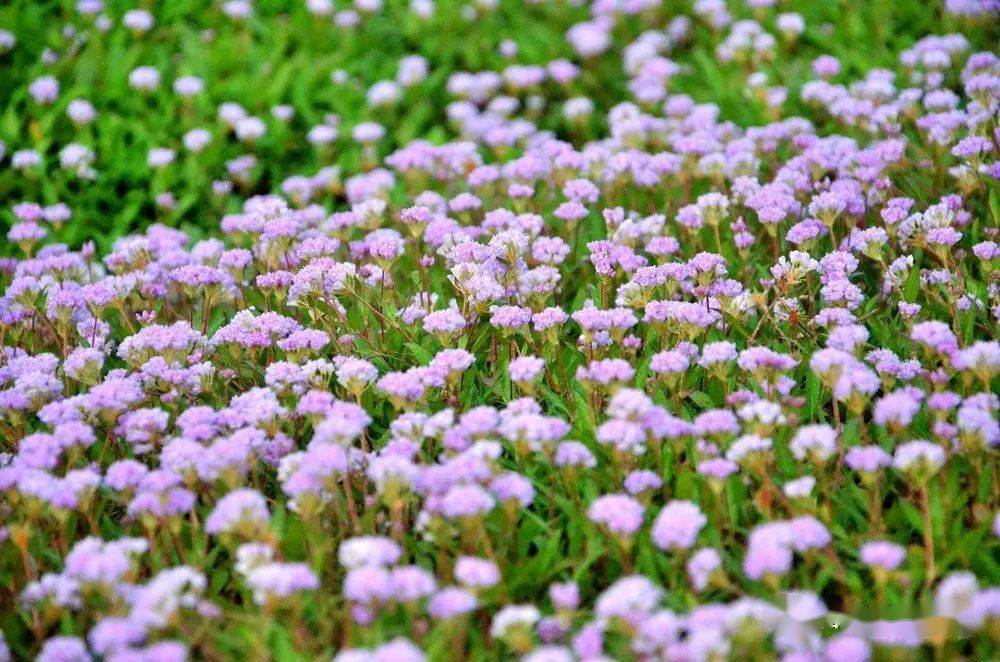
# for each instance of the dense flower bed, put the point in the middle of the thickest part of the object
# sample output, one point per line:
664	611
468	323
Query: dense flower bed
687	390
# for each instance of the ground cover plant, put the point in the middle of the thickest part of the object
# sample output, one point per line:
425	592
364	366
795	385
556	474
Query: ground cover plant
500	330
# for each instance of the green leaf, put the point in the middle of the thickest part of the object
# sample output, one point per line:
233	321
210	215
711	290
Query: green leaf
421	354
911	288
701	399
281	645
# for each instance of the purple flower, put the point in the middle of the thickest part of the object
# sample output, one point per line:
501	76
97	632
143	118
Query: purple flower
240	510
276	581
64	649
44	90
573	454
510	317
619	514
466	501
701	566
677	525
765	560
411	583
451	602
605	372
818	443
919	459
565	596
882	554
476	573
847	648
525	369
638	482
867	459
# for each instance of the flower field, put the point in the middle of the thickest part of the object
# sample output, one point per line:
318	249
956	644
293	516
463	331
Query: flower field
414	330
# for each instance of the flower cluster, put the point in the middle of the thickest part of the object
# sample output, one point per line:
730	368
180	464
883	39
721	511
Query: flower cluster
607	376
